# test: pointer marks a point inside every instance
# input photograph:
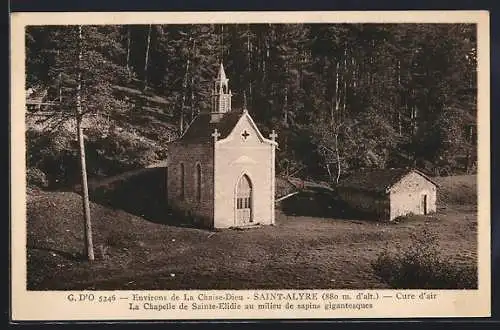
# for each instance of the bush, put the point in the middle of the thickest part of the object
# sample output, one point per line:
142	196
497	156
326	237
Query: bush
421	267
36	178
118	152
54	154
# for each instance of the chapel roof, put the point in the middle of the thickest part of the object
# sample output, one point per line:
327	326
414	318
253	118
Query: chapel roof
202	127
377	180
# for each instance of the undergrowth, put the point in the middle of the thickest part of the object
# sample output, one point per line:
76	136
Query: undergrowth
420	266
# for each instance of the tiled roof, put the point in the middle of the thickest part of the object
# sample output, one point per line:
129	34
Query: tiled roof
202	127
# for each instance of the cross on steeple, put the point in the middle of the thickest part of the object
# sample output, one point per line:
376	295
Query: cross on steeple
215	135
245	134
273	135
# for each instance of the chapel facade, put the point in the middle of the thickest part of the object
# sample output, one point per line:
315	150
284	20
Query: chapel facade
221	171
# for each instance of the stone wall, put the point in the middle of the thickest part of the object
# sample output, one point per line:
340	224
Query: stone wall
201	210
406	196
366	203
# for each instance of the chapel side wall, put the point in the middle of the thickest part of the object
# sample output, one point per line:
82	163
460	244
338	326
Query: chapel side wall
235	157
190	155
406	196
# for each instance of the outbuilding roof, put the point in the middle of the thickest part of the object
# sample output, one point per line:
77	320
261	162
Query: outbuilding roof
377	180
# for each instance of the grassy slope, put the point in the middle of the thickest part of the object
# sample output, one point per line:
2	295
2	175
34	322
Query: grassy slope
147	115
457	190
299	252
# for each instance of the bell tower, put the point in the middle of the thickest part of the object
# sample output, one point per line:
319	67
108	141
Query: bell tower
221	95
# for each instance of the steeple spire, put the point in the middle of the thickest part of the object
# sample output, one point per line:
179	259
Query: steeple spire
222	74
221	96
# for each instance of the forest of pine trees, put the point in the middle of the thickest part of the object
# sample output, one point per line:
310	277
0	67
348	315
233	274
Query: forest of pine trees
341	96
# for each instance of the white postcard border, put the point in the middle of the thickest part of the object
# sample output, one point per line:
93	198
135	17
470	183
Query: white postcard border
56	305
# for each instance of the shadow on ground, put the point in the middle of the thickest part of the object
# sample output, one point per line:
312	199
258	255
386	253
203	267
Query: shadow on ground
321	203
143	195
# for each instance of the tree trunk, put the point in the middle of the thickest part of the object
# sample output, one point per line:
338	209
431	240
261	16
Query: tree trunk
146	60
266	56
329	171
400	126
355	73
221	46
193	114
345	79
414	114
249	63
337	91
193	111
184	86
398	96
415	118
128	51
85	190
60	88
469	147
285	108
338	157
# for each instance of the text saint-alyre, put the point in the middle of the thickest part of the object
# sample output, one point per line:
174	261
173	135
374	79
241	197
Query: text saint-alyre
285	296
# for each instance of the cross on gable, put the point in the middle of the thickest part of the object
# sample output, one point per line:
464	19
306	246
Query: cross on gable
273	135
215	134
245	134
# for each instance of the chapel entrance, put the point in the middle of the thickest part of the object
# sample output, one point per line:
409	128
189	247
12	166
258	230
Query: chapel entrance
244	201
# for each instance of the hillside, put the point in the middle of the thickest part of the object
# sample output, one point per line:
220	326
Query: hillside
135	252
457	190
134	135
147	113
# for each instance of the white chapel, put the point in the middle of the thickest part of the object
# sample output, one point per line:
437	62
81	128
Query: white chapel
221	171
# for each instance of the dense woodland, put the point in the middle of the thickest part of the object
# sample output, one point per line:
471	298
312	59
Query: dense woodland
341	97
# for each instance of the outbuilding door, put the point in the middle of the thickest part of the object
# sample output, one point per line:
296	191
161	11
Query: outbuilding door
424	204
244	201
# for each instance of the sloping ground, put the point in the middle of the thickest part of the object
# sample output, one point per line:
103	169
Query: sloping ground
134	92
122	241
135	132
136	254
456	190
148	114
299	252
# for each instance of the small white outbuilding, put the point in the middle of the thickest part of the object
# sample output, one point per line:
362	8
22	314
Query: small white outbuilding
389	193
